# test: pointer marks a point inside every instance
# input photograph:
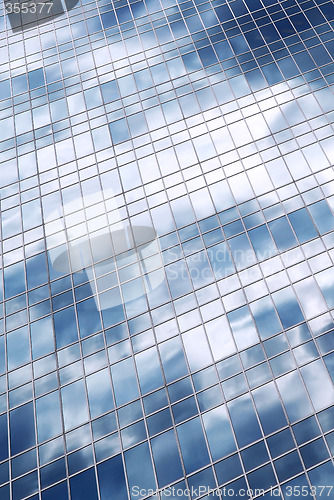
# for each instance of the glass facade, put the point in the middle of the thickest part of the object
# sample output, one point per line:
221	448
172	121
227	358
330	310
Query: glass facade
167	229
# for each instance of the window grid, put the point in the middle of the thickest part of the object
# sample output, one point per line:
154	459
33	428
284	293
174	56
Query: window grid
191	131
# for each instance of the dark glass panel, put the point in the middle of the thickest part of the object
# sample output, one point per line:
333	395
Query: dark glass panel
84	486
22	428
115	489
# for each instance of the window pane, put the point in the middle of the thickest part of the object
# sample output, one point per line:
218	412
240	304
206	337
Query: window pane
139	469
74	404
48	416
194	451
166	458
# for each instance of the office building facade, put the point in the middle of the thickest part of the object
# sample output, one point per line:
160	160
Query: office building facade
167	228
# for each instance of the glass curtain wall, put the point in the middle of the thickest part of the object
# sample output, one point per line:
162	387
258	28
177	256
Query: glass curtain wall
167	230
